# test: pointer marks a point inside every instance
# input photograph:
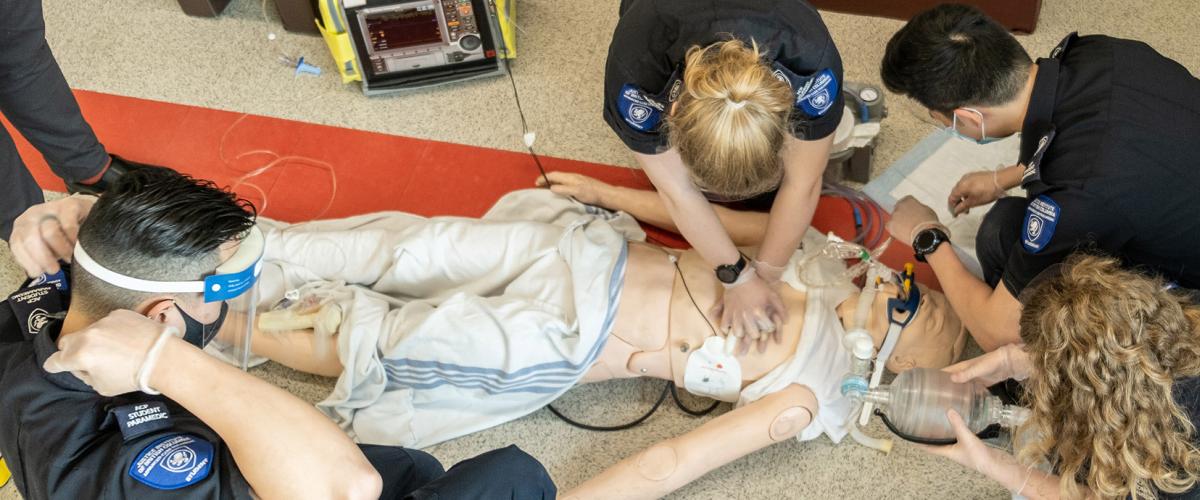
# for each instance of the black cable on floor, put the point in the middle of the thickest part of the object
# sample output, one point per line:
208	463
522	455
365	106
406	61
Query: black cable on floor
598	428
689	411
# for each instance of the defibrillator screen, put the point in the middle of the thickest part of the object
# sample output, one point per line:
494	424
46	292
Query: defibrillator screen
408	27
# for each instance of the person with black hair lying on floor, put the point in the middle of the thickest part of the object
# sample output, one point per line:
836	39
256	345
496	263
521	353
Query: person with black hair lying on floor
436	328
75	351
1111	367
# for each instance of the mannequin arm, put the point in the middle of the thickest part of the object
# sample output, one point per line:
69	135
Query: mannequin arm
668	465
745	228
298	350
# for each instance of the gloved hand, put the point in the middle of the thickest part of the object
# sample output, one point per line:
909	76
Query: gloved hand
909	218
108	354
1010	361
771	274
46	233
750	310
970	451
974	189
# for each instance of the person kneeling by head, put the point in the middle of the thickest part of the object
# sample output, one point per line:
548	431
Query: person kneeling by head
163	263
1111	364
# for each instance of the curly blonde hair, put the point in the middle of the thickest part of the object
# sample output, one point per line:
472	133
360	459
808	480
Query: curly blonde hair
1106	345
731	120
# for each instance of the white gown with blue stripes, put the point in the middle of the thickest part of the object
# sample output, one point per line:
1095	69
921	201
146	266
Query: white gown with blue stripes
454	325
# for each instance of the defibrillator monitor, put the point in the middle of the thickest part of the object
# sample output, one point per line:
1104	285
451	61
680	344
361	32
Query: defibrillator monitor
418	43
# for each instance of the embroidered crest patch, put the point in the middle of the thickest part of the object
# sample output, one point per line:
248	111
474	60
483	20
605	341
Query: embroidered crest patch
173	462
1041	217
819	95
639	111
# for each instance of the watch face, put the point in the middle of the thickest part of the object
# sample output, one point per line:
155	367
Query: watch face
924	240
727	274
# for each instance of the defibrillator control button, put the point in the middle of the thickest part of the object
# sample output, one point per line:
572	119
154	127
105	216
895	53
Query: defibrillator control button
470	42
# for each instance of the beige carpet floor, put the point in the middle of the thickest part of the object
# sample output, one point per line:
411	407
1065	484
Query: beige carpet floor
149	49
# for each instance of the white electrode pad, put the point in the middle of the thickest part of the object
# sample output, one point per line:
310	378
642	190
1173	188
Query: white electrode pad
712	373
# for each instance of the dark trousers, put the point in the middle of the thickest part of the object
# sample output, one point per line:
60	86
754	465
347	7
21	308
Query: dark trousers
999	233
35	98
503	473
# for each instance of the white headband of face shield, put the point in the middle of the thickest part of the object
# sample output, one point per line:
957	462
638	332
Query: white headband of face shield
232	278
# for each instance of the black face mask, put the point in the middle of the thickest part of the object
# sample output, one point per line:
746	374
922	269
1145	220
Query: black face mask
200	334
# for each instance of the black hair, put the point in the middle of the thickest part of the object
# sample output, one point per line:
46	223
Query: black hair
157	224
952	56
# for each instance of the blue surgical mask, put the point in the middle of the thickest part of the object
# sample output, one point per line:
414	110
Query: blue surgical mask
953	129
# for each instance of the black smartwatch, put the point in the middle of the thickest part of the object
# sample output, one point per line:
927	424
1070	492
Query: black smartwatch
927	241
729	273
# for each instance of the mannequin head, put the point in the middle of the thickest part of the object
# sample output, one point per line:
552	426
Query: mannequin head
933	339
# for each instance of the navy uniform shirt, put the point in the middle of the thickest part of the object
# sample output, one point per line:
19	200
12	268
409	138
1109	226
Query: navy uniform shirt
1111	145
63	440
644	71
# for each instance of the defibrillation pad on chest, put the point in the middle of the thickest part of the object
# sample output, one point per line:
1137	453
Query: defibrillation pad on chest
712	373
173	462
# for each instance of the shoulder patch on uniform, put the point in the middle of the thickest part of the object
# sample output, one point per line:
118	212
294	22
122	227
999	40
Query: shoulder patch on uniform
814	94
1033	166
639	111
173	462
820	95
1041	217
1062	46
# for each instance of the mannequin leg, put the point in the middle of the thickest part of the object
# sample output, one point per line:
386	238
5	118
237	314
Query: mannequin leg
668	465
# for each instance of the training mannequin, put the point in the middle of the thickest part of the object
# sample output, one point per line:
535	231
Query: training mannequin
653	329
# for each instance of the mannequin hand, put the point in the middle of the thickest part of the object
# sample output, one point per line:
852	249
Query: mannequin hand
581	187
46	233
751	310
908	216
108	354
970	451
974	189
1010	361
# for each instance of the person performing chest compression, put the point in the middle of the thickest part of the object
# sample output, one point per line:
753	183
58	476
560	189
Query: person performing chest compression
1108	157
734	101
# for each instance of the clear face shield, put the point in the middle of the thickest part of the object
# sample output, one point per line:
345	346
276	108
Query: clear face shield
229	296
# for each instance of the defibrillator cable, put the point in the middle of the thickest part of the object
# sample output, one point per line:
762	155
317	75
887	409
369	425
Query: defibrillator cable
599	428
670	385
526	136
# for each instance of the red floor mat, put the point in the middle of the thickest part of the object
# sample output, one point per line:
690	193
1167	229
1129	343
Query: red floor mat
347	172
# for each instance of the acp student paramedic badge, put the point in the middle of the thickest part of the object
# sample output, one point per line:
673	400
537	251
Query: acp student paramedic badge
173	462
639	111
1041	217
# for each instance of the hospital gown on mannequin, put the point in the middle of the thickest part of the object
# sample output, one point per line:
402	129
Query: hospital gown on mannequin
444	313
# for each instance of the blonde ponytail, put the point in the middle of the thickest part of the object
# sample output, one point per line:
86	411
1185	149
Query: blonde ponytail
731	119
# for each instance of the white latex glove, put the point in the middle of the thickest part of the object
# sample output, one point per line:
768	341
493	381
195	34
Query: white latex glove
970	451
974	189
750	310
108	354
46	233
1010	361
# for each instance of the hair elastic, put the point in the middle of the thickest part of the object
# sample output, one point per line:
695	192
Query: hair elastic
735	104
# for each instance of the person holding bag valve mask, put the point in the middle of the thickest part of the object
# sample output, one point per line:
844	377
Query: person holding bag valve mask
1108	157
733	101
